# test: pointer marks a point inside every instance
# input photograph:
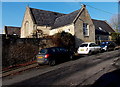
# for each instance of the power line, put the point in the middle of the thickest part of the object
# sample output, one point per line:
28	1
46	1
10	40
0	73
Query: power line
98	9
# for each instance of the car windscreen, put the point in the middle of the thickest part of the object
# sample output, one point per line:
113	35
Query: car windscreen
43	51
84	45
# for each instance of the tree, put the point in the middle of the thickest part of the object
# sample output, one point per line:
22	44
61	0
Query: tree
64	39
37	33
116	37
115	22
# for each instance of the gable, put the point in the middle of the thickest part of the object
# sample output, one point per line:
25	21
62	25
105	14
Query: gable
44	18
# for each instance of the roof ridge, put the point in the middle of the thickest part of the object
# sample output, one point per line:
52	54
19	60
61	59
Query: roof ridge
46	10
13	26
60	21
98	20
68	14
80	10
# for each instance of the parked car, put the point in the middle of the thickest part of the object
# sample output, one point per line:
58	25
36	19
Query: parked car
53	55
106	46
88	48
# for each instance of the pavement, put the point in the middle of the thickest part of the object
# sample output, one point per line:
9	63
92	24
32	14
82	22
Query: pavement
81	72
12	72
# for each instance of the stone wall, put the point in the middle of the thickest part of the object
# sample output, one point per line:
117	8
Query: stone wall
84	17
45	29
19	51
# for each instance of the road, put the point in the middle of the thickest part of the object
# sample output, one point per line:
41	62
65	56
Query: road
81	72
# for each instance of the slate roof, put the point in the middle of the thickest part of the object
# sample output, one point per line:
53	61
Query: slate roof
10	30
102	27
100	32
55	20
42	17
66	19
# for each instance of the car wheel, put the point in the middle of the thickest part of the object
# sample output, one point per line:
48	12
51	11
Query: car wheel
52	62
40	64
71	57
100	51
90	53
107	50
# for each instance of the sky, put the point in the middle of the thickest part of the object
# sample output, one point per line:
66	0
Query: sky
13	12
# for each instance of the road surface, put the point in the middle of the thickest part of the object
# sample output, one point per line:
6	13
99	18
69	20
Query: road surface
81	72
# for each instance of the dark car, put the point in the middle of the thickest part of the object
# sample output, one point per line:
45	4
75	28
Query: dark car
53	55
106	46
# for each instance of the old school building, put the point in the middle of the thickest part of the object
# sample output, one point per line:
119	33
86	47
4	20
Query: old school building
38	23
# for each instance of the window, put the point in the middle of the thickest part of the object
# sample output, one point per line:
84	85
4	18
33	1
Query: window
26	28
84	45
43	51
63	50
67	30
93	45
85	29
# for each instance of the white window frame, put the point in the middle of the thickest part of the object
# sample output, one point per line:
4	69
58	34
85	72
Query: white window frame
85	29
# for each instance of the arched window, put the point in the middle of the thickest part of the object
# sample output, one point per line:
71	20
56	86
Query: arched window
26	32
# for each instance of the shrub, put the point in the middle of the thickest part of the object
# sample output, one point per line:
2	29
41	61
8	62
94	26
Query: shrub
116	37
64	39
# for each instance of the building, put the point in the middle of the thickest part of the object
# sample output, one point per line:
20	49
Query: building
78	23
11	31
102	30
38	23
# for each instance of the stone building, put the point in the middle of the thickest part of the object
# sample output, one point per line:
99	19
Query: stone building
102	30
11	31
78	23
38	23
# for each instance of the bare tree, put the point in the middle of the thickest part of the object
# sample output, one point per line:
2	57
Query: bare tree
115	22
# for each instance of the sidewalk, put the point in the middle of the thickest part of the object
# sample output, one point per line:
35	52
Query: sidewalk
10	71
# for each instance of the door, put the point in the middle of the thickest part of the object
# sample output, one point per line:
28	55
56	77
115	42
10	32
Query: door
91	47
96	47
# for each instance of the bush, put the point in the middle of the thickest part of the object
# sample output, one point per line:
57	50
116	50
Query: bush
64	39
116	37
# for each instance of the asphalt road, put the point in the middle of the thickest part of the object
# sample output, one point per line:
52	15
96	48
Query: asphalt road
81	72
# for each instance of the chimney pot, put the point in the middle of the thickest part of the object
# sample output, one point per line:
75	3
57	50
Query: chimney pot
83	5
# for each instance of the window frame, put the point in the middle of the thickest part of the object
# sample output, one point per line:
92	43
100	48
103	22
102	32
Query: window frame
85	29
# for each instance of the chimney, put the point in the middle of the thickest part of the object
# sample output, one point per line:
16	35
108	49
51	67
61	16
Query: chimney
83	5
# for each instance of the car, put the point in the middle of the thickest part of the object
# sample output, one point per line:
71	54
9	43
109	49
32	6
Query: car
88	48
53	55
107	46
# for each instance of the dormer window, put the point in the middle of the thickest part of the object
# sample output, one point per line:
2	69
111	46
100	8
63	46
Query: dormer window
14	34
67	30
85	29
100	28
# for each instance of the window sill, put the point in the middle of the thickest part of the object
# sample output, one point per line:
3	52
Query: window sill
86	35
